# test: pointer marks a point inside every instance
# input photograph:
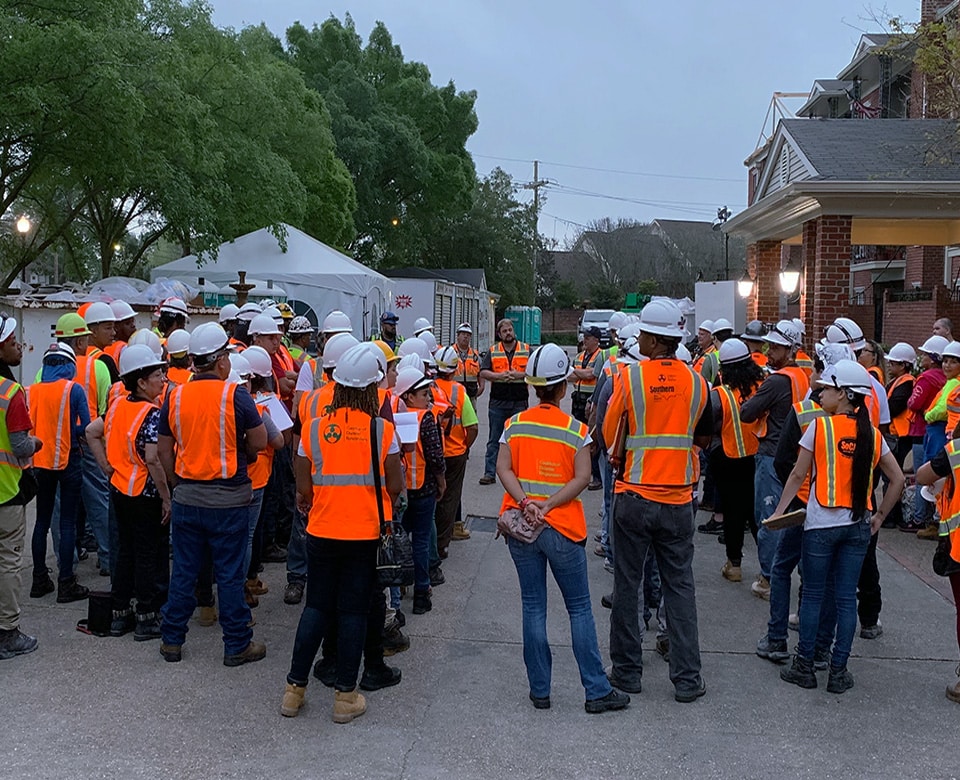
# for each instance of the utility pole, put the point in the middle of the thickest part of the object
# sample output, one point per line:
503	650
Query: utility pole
535	185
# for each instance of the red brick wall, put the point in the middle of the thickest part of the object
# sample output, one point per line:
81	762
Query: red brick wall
831	272
925	266
763	263
863	279
912	321
560	320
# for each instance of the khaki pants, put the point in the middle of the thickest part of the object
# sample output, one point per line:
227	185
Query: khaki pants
13	527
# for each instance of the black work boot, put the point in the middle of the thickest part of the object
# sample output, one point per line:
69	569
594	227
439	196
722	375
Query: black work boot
42	584
123	622
800	672
70	590
14	642
148	627
376	677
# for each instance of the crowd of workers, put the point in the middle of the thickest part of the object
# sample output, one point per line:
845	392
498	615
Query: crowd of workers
187	459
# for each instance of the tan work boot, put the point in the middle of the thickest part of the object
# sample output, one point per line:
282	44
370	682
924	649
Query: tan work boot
348	705
931	531
249	596
953	691
207	616
292	700
731	572
256	587
460	531
761	588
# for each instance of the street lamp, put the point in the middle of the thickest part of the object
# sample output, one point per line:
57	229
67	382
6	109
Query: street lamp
723	214
790	277
745	285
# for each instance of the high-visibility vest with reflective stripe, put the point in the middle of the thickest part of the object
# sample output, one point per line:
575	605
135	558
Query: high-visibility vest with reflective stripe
665	398
698	363
877	373
804	363
737	438
120	432
52	424
314	404
10	468
414	459
612	369
203	422
543	443
900	424
950	506
259	470
341	470
834	444
117	391
454	434
799	385
873	406
584	360
287	364
807	412
760	358
87	376
953	411
468	365
178	375
500	361
115	349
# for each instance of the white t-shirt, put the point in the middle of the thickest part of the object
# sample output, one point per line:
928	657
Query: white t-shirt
305	378
819	516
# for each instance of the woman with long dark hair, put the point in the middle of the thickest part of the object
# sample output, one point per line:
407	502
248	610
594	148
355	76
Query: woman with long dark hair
840	451
734	446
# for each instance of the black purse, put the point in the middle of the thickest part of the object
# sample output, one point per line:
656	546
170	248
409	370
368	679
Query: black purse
395	553
943	563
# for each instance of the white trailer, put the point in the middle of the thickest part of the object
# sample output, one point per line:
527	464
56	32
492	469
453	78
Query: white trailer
446	305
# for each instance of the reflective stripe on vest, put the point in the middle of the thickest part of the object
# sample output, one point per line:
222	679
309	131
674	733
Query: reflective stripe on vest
354	479
87	367
950	519
194	459
56	439
737	438
129	469
500	361
807	412
834	474
468	365
587	361
10	468
416	466
799	383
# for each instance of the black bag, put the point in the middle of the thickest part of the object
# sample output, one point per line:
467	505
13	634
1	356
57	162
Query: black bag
395	553
943	564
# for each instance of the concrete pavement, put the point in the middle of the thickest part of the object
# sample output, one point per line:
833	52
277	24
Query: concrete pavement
83	707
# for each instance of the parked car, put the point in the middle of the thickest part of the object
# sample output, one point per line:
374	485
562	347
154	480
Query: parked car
598	318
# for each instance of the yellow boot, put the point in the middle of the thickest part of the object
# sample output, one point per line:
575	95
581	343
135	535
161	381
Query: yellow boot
292	700
460	531
348	705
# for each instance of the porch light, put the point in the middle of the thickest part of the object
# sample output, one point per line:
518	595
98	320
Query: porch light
745	285
790	278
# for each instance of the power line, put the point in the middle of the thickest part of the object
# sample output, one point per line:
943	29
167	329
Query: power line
578	191
611	170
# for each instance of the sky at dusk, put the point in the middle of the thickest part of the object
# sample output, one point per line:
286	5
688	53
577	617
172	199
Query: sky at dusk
638	110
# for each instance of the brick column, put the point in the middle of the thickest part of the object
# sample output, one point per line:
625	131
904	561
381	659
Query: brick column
763	263
807	299
831	270
924	266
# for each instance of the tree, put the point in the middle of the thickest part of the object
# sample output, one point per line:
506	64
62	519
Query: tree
936	47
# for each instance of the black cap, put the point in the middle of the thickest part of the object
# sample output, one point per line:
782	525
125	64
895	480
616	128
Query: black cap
593	331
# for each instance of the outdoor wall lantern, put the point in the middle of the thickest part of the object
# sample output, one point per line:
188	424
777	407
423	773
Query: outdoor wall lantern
790	278
745	285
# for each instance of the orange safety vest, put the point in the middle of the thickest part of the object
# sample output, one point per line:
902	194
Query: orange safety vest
500	361
873	406
799	385
760	358
286	360
341	469
738	438
259	470
834	443
204	423
52	424
239	345
587	361
416	464
179	376
114	351
877	373
87	376
454	434
804	362
314	404
950	506
120	431
664	399
807	412
953	411
698	363
468	366
117	391
900	424
543	443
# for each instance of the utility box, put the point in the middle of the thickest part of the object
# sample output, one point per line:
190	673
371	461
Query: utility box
526	323
719	299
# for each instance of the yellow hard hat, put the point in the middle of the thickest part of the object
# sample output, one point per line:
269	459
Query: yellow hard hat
388	353
286	310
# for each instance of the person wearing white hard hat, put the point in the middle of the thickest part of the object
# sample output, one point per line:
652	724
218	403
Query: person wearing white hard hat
901	360
178	356
123	328
205	458
733	449
429	339
840	452
228	319
314	401
346	512
503	366
148	338
653	512
240	338
173	316
706	362
584	379
769	408
544	465
139	494
336	322
422	325
468	372
802	358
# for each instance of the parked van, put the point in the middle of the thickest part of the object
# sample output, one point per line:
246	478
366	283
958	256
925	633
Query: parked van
595	318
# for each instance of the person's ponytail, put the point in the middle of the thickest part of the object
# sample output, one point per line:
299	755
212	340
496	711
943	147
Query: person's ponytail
863	455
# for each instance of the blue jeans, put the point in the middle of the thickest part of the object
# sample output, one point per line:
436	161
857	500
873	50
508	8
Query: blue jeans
838	553
256	502
297	549
786	559
922	509
767	490
568	562
95	494
417	521
68	481
221	533
497	414
607	477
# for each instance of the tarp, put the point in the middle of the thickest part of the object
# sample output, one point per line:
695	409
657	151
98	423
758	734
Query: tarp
309	271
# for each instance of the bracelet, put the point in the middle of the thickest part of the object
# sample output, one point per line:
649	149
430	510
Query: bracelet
523	503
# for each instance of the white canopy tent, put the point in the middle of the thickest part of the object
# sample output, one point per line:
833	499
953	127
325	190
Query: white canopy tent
310	272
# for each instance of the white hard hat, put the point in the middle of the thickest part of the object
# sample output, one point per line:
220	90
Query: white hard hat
464	328
228	312
357	367
722	324
846	331
798	323
421	324
337	322
429	339
248	311
662	318
178	342
298	326
264	325
207	339
447	359
684	354
630	351
148	338
616	321
784	333
831	354
122	310
99	312
259	360
335	347
901	352
60	349
174	306
409	379
628	330
706	325
378	354
273	313
847	375
241	365
413	346
413	359
547	365
934	345
952	350
266	303
136	357
733	351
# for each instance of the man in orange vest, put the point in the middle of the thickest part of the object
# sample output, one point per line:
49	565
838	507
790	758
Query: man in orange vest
665	408
503	366
468	372
585	382
209	430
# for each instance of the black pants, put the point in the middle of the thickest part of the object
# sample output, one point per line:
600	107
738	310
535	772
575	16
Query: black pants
903	446
579	412
448	507
279	499
734	480
868	587
143	559
373	643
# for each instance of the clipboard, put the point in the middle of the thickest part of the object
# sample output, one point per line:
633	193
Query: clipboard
786	520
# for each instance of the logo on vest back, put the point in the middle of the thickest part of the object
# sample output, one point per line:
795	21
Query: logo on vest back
847	447
332	434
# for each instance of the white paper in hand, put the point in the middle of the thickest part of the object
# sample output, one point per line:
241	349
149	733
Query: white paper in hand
278	412
408	427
